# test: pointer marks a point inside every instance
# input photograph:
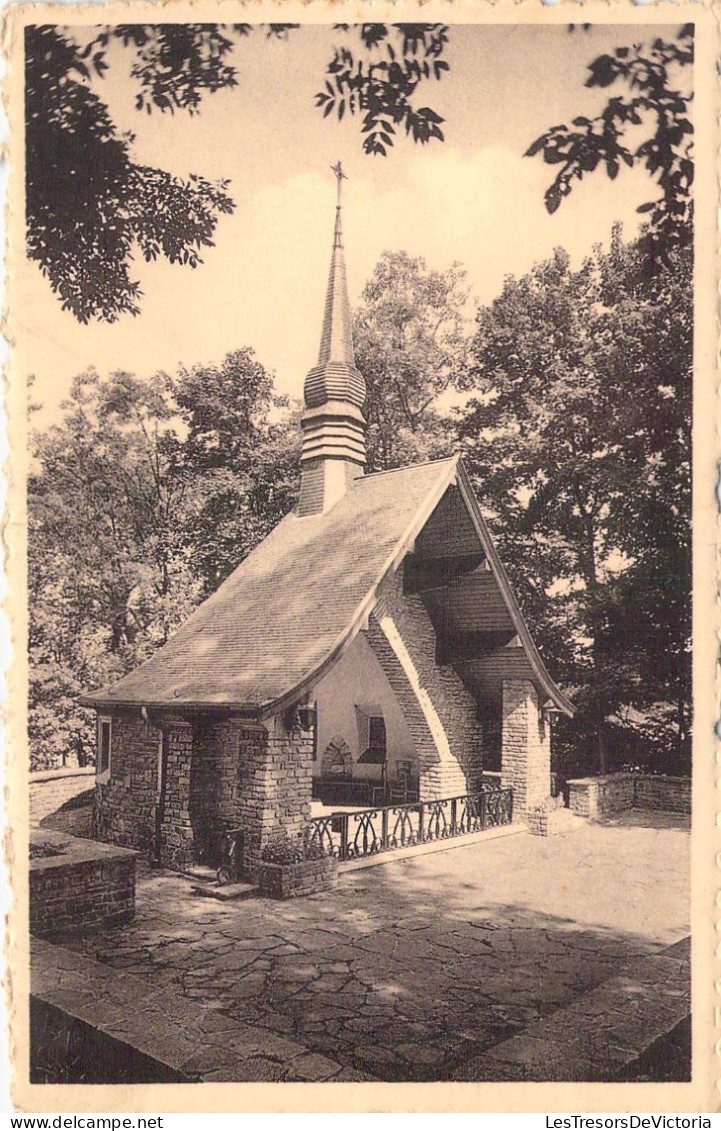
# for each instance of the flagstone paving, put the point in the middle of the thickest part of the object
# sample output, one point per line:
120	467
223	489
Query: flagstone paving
413	970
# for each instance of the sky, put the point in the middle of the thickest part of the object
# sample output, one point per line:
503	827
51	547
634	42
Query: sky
473	198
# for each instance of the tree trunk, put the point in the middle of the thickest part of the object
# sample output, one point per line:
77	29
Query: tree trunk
599	711
593	587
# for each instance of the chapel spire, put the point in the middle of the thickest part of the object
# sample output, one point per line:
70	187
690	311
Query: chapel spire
333	425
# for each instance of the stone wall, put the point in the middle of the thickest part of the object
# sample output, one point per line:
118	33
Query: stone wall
277	881
525	747
440	711
218	772
177	842
125	803
49	789
550	818
83	886
215	785
201	776
614	793
670	794
275	785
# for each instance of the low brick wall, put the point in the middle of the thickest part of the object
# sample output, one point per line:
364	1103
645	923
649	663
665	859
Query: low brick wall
49	789
670	794
82	885
289	881
603	796
547	819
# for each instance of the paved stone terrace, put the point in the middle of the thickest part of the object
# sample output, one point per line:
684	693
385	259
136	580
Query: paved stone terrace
413	970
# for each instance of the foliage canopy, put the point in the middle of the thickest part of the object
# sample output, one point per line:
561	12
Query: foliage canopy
649	126
580	445
90	204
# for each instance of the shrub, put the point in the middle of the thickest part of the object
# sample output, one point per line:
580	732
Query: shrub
285	850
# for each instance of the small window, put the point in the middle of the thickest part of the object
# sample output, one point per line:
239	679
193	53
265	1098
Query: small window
104	745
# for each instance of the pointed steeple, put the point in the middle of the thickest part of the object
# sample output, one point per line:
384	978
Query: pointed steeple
334	392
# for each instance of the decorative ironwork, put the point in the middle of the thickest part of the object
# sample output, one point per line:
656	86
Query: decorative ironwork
368	840
321	835
470	815
437	825
367	832
404	833
499	808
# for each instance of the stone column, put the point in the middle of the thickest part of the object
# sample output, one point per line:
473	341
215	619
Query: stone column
275	785
525	747
176	832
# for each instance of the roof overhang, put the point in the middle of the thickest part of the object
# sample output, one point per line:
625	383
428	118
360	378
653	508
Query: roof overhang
100	701
548	686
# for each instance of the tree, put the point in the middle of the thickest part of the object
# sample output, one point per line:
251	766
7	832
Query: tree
411	341
107	577
380	87
244	465
90	205
655	107
579	443
141	499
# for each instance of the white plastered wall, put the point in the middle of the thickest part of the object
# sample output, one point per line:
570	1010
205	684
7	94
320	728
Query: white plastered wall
357	680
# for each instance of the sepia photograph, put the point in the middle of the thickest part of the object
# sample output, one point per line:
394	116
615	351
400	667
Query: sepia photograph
358	373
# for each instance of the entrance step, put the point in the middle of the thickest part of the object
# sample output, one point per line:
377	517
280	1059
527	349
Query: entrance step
202	872
226	892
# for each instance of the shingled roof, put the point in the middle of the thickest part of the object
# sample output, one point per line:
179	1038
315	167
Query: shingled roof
288	612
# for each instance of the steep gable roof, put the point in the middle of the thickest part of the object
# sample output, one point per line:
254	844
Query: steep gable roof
286	614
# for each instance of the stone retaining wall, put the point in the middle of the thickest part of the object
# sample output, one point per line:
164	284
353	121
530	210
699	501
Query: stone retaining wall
614	793
84	885
49	789
670	794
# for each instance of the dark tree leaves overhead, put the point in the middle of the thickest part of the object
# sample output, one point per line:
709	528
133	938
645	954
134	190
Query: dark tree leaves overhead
648	125
176	64
91	207
88	203
380	87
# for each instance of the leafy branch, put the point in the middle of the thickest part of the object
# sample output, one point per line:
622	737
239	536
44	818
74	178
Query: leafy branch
380	88
665	149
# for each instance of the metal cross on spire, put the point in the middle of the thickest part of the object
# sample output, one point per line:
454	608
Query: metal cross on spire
340	177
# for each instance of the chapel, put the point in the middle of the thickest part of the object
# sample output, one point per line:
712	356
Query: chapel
369	651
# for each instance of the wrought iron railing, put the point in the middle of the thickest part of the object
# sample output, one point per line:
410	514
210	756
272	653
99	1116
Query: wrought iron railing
366	832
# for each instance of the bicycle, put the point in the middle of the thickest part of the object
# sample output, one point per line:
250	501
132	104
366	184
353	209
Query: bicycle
230	869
